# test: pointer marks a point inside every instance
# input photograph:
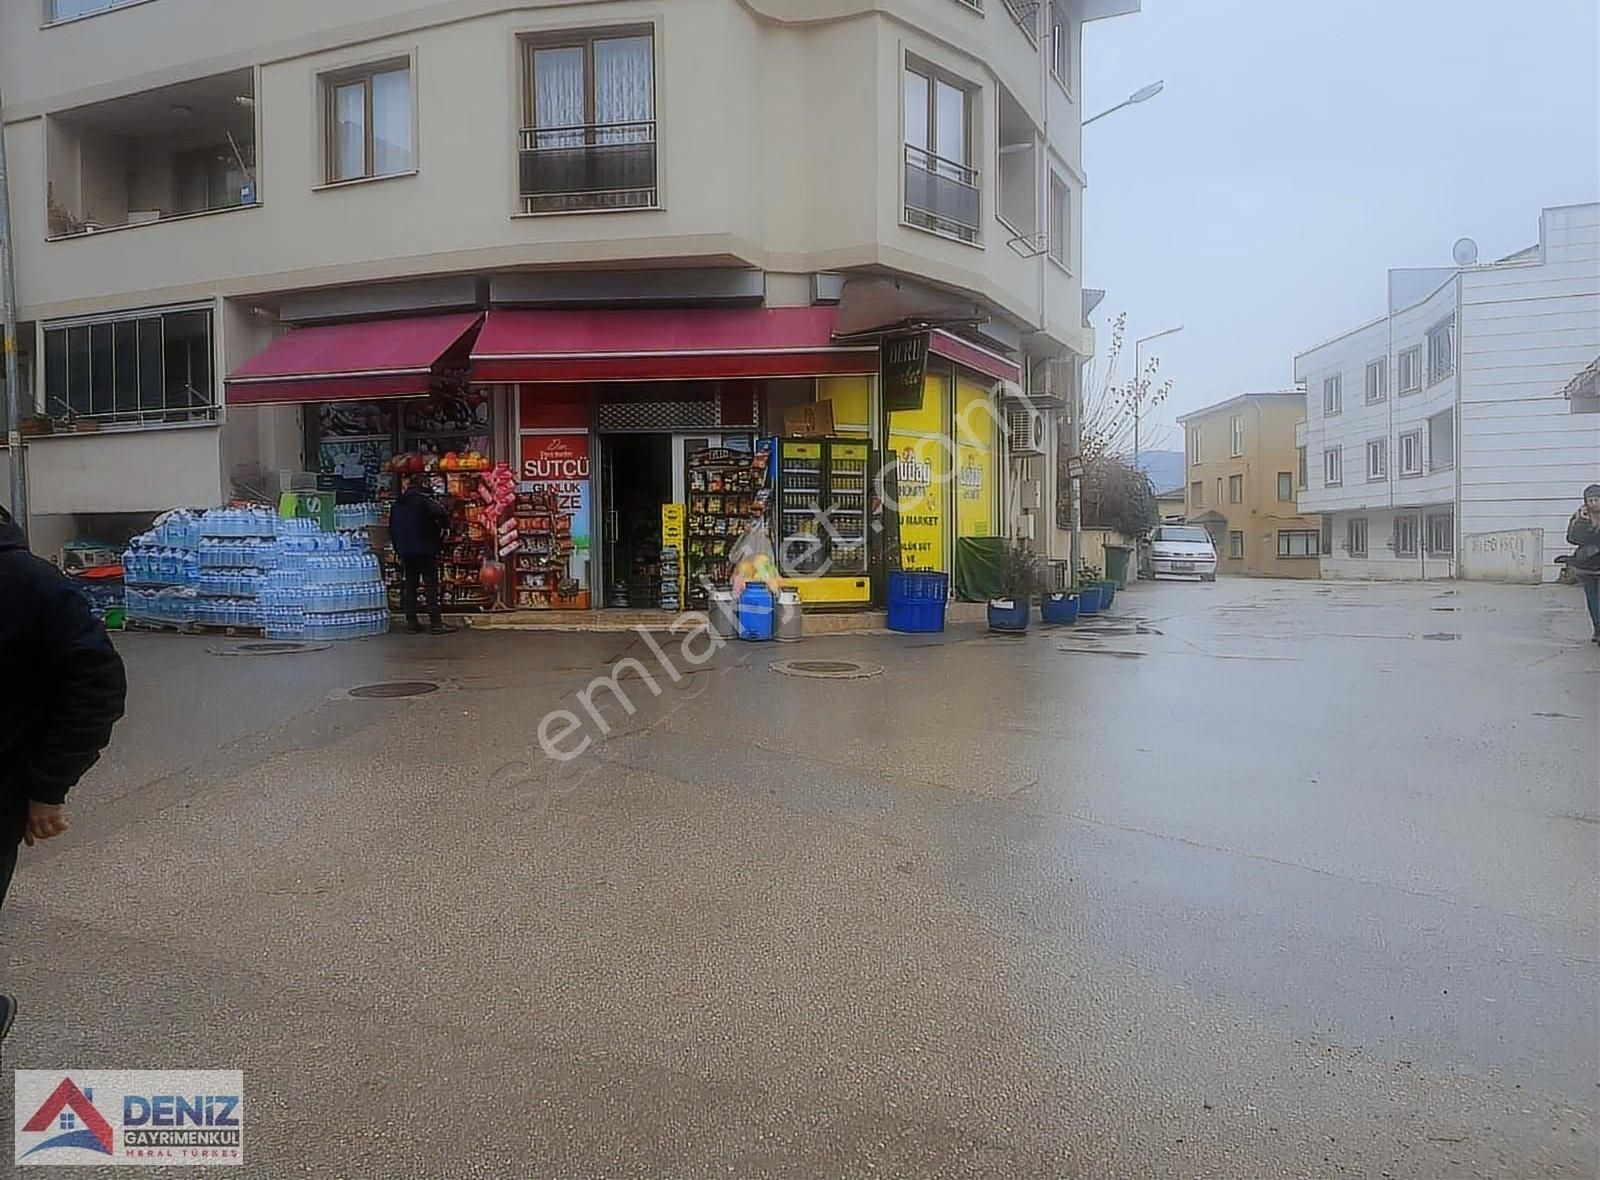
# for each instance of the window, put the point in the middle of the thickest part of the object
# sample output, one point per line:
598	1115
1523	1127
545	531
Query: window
368	123
1016	167
59	10
941	185
1405	535
1236	435
1442	350
1219	489
1377	380
1410	366
150	367
1194	444
1286	487
1378	458
1236	545
1442	441
588	141
1333	466
1439	533
1297	543
1355	540
1060	44
1332	395
1411	453
1196	494
1303	479
1236	489
1327	536
1060	240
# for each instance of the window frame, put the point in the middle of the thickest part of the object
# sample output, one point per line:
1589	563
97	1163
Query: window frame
1352	526
1194	443
1414	520
330	83
972	112
1333	467
1236	489
1059	212
1236	436
1235	545
1413	359
1379	471
1412	436
1197	493
1287	544
1060	30
1377	390
1333	395
1304	469
140	416
48	18
1447	365
1433	458
1429	520
1286	477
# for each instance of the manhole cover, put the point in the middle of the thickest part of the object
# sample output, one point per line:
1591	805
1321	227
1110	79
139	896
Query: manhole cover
270	648
395	688
827	669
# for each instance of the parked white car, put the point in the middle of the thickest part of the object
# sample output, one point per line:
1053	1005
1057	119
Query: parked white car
1180	551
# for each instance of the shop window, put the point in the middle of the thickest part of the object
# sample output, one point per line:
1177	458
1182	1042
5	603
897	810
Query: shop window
136	370
941	186
588	140
368	124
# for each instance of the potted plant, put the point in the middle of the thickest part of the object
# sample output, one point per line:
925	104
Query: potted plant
1092	594
1059	607
1019	584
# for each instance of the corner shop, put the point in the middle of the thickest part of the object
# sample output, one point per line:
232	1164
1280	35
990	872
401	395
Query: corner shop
602	413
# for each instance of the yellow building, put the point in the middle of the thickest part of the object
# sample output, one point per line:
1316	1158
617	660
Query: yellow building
1243	474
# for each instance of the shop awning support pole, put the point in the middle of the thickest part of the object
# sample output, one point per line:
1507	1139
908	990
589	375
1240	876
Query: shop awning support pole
1075	481
8	298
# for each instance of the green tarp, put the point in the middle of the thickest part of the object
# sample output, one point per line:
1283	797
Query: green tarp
980	568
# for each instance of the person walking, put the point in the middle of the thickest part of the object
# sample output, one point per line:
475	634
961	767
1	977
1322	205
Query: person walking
417	527
62	688
1583	530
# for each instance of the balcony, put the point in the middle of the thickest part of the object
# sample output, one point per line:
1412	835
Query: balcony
149	157
586	168
941	195
1026	14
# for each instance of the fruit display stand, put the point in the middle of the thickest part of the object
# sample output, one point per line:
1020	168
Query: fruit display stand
466	546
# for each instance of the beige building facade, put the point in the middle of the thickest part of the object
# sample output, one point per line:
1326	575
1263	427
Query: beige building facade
1244	473
192	180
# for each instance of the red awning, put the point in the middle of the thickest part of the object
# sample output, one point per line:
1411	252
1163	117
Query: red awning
342	362
974	356
677	344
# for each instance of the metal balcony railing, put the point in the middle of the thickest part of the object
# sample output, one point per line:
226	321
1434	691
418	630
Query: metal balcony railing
1026	14
941	194
588	167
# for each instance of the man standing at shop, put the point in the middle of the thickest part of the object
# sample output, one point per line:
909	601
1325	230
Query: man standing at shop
417	527
62	688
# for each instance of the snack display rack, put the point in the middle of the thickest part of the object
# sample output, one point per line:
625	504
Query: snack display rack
538	567
728	491
466	546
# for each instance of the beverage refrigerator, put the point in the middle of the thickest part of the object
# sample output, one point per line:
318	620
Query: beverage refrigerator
820	518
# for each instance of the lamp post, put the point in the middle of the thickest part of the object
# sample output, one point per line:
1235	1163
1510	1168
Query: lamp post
1143	94
1138	382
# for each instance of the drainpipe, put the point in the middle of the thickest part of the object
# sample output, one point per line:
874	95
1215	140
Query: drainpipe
8	298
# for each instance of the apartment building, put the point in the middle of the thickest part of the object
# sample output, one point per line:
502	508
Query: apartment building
1453	437
259	239
1243	477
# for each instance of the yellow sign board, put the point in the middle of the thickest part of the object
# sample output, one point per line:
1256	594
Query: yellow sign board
672	536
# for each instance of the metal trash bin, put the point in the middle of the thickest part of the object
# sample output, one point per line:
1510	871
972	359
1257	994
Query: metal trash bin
724	614
788	626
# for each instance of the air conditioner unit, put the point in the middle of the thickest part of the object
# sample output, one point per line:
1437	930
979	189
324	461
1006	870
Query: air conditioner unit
1025	431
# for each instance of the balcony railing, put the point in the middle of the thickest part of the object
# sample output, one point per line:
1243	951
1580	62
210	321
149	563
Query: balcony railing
592	166
1026	14
941	194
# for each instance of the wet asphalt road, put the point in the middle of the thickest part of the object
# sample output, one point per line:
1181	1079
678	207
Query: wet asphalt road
1260	879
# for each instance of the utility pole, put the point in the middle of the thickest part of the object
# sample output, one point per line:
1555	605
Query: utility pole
1138	383
1075	470
8	298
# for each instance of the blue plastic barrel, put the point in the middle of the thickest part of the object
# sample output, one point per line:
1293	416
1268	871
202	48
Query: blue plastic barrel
755	613
1089	599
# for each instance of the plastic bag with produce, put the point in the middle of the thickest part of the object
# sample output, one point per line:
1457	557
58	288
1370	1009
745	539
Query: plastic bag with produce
751	558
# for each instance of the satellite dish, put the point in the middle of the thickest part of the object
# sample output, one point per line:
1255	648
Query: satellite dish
1465	252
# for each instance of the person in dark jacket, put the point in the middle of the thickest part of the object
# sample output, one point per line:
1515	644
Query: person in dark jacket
62	688
417	527
1583	530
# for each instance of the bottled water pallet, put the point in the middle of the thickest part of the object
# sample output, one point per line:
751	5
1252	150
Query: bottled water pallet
231	631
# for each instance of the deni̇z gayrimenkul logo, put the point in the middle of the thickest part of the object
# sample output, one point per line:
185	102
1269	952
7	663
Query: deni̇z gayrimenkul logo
149	1117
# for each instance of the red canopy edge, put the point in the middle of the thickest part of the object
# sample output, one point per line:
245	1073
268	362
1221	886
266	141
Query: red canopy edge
973	356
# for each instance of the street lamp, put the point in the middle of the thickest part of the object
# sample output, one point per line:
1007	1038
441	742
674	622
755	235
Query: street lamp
1138	382
1143	94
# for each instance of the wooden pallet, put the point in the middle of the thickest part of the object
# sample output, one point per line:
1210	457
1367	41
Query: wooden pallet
230	632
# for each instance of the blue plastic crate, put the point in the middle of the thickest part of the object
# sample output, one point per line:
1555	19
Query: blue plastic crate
917	600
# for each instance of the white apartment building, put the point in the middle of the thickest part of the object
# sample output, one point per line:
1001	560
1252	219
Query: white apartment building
253	239
1454	436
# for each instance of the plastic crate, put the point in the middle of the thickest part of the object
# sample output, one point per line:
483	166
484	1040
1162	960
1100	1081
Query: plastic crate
917	601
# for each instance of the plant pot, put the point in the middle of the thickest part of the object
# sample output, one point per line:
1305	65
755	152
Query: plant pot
1108	593
1089	596
1059	609
1008	614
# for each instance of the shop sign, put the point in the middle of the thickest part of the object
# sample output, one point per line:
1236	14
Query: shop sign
903	360
559	464
922	468
673	517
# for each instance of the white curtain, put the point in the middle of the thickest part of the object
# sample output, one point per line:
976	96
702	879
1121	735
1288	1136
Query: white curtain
391	122
624	90
350	132
558	96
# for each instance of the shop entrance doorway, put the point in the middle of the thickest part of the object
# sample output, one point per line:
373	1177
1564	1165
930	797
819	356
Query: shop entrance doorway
636	479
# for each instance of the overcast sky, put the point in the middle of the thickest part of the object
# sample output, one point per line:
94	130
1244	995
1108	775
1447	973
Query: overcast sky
1300	149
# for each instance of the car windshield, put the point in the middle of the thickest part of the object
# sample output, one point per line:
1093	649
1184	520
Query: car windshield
1180	534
